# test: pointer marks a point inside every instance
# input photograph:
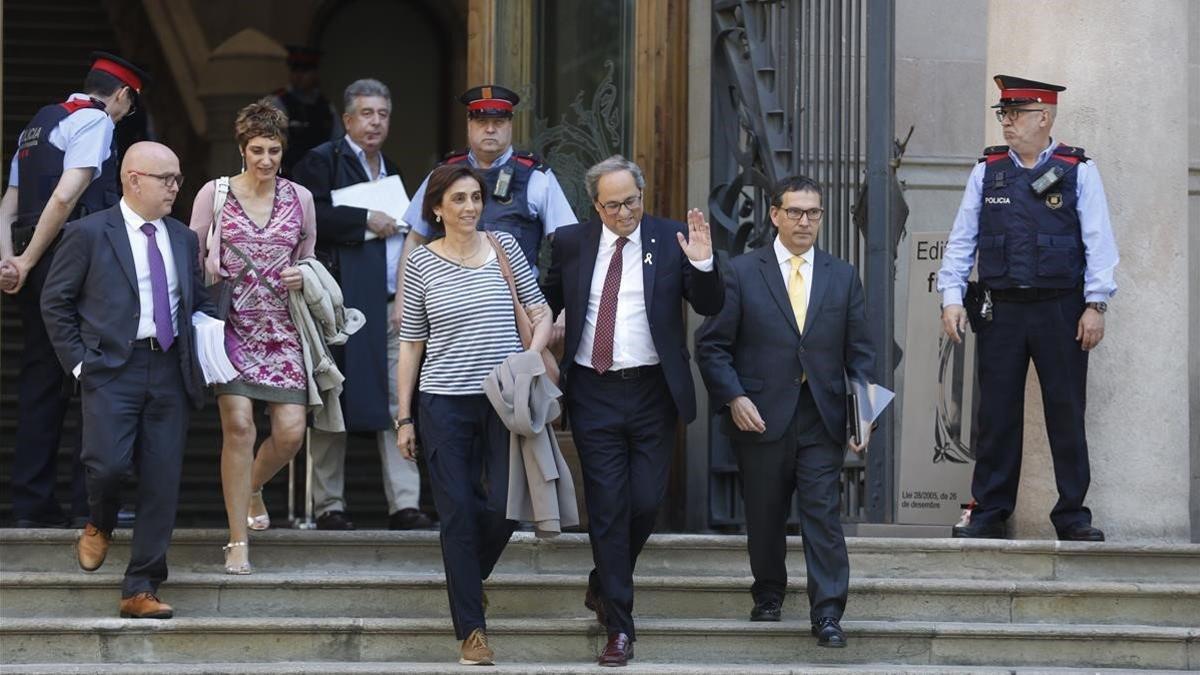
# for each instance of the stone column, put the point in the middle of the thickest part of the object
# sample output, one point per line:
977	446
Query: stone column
241	70
1125	68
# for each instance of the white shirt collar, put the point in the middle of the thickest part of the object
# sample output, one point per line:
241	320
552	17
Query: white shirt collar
499	160
782	255
133	221
608	238
362	158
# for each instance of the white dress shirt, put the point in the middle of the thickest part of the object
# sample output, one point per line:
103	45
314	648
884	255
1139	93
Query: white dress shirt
395	243
632	343
784	257
139	242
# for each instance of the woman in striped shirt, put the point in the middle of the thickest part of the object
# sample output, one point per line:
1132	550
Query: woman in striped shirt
458	313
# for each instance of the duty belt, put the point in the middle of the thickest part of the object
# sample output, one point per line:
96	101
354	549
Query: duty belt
1031	294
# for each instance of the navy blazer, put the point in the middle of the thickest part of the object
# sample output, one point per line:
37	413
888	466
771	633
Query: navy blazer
754	347
362	272
91	306
668	281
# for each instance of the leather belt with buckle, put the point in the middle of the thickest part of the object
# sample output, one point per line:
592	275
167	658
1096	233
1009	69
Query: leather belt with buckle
632	373
148	343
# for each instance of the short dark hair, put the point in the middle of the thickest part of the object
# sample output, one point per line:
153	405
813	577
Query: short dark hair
101	83
440	180
795	183
260	119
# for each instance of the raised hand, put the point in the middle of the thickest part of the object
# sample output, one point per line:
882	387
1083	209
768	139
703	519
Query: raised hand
697	246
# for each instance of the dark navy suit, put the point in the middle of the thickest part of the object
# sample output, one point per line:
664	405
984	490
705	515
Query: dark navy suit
624	423
797	380
135	400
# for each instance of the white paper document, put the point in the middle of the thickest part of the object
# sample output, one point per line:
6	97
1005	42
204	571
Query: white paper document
387	195
210	349
872	400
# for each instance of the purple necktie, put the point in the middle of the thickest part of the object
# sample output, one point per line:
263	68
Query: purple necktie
158	289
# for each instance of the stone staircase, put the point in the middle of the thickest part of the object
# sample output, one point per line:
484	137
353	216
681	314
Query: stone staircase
374	602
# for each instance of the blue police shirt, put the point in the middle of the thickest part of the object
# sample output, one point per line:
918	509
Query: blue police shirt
84	136
1100	247
546	200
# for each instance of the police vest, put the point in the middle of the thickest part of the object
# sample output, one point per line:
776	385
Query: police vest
1026	239
309	125
40	166
511	214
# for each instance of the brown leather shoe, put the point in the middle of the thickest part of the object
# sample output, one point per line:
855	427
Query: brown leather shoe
91	547
145	606
618	651
475	650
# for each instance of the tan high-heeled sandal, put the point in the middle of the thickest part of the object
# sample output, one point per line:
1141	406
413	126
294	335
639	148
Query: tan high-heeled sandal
260	522
244	568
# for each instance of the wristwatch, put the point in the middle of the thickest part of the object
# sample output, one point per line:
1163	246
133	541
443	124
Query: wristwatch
399	422
1101	307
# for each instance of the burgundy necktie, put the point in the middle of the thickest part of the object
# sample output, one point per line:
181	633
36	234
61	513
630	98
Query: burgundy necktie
606	318
163	330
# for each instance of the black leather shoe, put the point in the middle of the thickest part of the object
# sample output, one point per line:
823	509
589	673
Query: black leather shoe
829	632
594	602
618	651
1080	532
334	520
981	530
767	610
409	519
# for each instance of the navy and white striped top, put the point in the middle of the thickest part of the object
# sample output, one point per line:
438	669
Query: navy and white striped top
464	315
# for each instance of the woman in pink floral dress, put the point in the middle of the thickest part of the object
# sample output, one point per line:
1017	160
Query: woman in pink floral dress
265	224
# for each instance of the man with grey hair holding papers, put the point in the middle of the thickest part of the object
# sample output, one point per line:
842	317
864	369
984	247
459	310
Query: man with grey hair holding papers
361	247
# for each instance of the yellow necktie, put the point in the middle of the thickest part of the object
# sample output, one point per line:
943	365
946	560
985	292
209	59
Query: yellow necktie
796	292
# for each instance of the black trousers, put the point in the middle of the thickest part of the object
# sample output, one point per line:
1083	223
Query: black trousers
138	421
465	446
624	430
42	404
806	459
1044	332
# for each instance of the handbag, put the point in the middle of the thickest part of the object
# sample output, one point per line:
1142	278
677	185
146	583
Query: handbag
524	325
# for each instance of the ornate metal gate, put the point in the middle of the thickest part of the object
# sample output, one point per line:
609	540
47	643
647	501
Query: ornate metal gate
792	80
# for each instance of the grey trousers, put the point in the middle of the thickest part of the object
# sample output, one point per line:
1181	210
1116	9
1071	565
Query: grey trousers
401	479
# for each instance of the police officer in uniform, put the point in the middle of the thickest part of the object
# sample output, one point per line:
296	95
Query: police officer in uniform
312	119
1035	213
524	198
65	168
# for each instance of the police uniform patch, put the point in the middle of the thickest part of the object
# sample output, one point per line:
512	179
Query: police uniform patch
1054	200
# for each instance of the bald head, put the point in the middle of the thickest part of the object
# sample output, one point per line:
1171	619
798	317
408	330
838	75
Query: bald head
150	179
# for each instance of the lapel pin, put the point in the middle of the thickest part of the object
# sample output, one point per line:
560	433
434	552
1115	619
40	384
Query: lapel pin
649	259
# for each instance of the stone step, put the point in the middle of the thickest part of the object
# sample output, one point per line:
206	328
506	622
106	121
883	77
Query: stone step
298	551
453	668
689	641
542	596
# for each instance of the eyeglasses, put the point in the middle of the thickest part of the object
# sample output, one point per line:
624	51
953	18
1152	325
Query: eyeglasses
1013	113
168	179
794	215
614	208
